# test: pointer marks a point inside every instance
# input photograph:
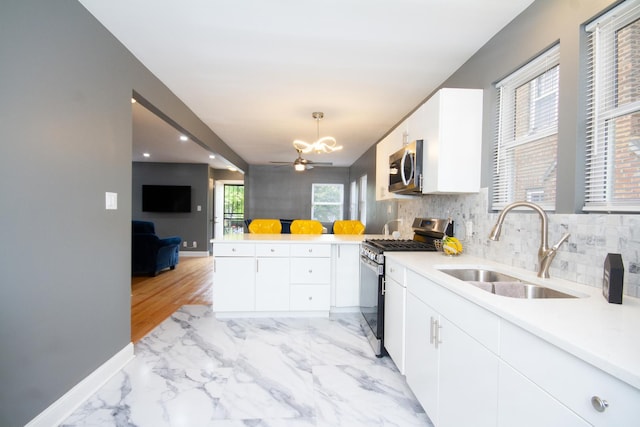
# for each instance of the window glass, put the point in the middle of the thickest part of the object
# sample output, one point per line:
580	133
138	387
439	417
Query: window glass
327	202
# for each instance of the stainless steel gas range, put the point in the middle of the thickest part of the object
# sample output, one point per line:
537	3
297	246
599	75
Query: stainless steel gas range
372	269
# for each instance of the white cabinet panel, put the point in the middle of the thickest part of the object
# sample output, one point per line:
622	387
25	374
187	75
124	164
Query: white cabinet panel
272	250
569	379
468	379
453	141
310	297
522	403
272	284
233	284
421	356
311	250
310	270
394	322
347	275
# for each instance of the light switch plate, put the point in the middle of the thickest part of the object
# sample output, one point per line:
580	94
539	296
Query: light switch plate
111	201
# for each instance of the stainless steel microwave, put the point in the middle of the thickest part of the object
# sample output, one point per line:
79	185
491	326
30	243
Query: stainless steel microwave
405	169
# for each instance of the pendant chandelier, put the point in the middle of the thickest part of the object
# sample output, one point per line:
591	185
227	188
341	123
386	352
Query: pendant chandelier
326	144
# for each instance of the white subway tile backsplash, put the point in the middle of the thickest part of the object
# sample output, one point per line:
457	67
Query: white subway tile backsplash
580	259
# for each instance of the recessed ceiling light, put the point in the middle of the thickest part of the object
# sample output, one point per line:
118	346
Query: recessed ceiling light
184	138
211	156
231	168
146	154
133	100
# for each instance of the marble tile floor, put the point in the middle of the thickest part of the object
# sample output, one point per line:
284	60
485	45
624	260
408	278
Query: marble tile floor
195	370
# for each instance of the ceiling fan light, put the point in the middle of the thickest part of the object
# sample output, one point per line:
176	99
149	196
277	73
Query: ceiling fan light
299	167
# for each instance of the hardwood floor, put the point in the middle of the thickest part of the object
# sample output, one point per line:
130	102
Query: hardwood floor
153	299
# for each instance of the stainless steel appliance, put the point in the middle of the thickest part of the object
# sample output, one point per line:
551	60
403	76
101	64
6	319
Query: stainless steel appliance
406	169
372	269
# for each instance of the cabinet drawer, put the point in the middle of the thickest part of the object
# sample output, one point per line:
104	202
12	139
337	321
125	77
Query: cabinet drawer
395	271
311	250
570	380
481	324
310	270
272	250
309	297
233	249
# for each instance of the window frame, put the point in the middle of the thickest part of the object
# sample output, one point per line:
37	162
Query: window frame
314	203
601	115
506	139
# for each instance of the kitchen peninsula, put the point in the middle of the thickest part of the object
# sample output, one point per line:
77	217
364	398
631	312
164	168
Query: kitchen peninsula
285	274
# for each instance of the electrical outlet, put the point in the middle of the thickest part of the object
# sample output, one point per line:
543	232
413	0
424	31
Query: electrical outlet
469	229
195	244
184	244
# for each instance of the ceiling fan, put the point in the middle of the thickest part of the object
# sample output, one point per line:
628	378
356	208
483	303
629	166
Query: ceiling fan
301	164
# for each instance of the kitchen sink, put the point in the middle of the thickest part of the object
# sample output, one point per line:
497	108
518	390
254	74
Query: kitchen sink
503	284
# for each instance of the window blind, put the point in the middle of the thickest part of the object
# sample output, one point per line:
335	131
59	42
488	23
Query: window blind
612	168
525	146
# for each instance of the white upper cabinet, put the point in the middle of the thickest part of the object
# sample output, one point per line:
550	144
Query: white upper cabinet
450	124
389	145
452	141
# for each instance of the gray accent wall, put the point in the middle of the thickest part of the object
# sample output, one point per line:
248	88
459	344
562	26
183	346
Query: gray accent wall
191	226
65	115
378	213
281	192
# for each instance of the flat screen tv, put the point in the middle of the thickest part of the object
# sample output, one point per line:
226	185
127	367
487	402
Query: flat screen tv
166	198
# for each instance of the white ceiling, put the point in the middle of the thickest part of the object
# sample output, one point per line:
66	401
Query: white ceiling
255	70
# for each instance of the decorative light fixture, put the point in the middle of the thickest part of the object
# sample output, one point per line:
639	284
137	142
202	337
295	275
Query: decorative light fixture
326	144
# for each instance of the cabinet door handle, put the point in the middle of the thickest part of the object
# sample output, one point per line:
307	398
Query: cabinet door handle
436	335
273	250
214	265
599	404
431	333
384	286
257	266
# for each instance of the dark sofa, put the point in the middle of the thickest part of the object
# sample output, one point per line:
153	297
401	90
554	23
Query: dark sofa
149	253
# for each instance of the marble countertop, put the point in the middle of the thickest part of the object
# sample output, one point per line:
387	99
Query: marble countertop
602	334
298	238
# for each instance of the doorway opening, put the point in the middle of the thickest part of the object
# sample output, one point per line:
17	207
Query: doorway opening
229	208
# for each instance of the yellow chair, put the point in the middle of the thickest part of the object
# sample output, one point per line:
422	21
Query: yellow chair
348	226
265	226
306	226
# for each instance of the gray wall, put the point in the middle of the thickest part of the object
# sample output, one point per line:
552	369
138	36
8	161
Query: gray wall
281	192
66	140
377	212
190	226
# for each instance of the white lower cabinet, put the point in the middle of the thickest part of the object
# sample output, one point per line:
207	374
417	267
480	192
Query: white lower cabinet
522	403
469	367
453	375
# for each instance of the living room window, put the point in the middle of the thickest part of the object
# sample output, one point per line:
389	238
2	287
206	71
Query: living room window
327	202
612	173
525	149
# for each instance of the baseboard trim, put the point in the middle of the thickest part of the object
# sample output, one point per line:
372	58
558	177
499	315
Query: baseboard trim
61	409
194	253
